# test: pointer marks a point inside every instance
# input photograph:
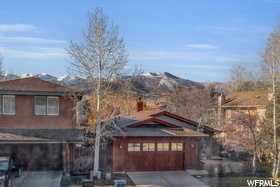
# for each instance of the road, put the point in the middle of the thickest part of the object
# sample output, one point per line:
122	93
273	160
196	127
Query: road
39	179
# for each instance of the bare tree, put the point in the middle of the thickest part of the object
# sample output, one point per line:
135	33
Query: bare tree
194	103
271	67
247	122
100	58
242	78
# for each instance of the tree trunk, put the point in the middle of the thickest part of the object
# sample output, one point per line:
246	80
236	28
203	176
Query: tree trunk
275	152
254	167
98	125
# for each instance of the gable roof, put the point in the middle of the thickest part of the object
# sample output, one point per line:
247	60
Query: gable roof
32	84
180	118
142	115
165	123
135	125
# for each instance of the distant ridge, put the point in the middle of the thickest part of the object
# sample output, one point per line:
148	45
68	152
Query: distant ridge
146	82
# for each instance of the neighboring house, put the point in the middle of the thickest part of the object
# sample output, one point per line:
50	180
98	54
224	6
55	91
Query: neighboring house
154	141
245	101
37	122
230	107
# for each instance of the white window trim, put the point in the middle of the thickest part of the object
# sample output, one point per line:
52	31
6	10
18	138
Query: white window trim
3	110
47	114
48	106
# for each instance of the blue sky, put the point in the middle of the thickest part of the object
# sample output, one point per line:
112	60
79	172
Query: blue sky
195	39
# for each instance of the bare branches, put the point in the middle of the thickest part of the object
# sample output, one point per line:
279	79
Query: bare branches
194	103
102	49
100	58
271	69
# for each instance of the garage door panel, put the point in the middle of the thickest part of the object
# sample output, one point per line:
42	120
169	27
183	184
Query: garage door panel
147	160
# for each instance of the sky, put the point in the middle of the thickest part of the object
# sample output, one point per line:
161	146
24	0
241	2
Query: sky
200	40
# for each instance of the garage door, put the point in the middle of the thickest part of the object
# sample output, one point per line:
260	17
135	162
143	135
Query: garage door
150	156
36	156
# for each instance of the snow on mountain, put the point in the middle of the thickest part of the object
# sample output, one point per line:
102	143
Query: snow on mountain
147	82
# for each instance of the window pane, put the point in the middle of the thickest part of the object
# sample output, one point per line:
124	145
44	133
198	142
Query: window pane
53	106
173	147
148	146
133	147
9	104
40	105
177	146
163	147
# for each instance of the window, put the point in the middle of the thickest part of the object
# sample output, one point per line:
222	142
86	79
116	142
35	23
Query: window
176	146
133	147
163	146
53	106
148	146
45	105
8	104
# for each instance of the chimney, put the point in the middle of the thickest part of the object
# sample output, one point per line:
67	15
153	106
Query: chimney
140	105
221	100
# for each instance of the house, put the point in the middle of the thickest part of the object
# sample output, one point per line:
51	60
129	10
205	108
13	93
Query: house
242	102
239	103
155	140
37	122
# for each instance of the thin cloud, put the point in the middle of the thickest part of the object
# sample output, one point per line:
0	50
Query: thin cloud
19	39
17	27
39	53
201	46
186	56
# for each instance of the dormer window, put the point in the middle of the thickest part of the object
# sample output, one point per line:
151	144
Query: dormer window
46	105
7	104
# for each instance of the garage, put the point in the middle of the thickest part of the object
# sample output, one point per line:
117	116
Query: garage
36	156
151	154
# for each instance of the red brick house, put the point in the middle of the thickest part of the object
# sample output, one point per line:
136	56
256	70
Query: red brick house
37	122
154	141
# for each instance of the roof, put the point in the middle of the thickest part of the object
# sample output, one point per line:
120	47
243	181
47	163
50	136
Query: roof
158	132
31	84
247	98
142	115
185	132
15	137
41	135
150	123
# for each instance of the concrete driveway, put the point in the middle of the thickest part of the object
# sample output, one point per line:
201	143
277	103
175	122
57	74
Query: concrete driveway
165	179
39	179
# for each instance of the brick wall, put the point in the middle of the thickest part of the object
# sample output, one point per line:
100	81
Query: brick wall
25	118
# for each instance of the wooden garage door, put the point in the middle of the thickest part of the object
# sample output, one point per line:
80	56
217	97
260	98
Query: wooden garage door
150	155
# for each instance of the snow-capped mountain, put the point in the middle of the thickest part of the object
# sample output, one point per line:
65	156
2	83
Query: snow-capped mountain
147	82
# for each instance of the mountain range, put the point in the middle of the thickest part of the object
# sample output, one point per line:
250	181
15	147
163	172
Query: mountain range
147	82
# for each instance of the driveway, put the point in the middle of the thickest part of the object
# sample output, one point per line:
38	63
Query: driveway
165	179
39	179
